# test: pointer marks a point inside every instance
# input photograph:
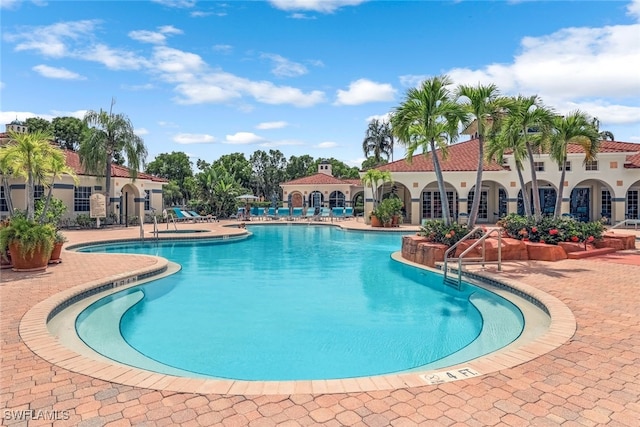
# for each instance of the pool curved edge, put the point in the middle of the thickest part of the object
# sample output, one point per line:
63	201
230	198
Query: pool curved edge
35	333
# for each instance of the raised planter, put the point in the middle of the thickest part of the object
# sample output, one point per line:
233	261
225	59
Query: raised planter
55	253
544	252
620	242
375	221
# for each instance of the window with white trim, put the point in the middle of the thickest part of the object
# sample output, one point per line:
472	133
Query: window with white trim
538	166
147	200
591	165
81	197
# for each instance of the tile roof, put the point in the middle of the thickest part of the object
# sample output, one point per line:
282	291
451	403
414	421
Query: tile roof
462	157
117	171
322	179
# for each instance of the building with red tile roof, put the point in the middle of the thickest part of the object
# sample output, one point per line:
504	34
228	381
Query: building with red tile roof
607	187
322	190
129	198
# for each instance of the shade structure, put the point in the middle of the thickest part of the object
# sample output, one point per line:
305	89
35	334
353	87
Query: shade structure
247	197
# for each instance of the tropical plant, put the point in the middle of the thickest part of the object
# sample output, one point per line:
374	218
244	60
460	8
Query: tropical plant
32	157
575	128
109	135
27	235
530	118
483	104
388	209
53	213
378	140
429	119
437	231
374	178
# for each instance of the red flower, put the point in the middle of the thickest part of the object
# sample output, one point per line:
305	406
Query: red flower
553	231
590	239
534	229
574	238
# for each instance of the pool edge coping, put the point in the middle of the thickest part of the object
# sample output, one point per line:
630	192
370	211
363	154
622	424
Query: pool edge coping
35	334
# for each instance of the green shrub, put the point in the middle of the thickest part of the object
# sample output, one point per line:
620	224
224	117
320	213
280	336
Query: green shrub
436	231
28	234
551	230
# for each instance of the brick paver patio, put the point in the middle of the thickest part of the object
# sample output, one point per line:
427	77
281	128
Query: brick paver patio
593	379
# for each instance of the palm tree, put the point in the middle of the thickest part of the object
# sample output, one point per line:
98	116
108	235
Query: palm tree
429	119
481	103
529	117
374	178
378	140
29	156
56	168
576	128
499	142
110	134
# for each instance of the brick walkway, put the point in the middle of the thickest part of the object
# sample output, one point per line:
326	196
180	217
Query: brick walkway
594	379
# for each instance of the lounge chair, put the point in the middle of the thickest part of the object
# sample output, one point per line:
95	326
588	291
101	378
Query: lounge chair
297	213
179	215
348	212
283	213
261	214
202	218
325	214
338	212
311	213
272	214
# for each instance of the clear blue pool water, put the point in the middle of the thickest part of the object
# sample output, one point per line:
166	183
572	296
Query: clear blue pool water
293	303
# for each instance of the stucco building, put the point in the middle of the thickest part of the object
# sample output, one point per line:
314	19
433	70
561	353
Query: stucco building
129	198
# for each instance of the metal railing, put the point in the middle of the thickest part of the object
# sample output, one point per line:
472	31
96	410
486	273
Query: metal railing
458	282
628	221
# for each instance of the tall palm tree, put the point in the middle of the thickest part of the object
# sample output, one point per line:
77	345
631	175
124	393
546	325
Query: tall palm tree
56	168
429	119
533	120
501	142
109	135
575	128
29	156
374	178
482	104
378	140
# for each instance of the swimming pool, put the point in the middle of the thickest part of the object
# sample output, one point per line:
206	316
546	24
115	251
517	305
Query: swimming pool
294	302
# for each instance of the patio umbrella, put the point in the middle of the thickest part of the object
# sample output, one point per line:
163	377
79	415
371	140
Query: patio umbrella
247	197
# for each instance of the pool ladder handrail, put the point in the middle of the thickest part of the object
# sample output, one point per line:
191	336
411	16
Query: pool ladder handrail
629	221
457	283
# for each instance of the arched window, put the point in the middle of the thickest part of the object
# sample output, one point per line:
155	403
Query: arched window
315	199
336	199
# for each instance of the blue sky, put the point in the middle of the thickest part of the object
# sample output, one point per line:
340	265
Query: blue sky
305	76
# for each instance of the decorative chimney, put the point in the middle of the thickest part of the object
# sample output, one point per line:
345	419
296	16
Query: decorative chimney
325	168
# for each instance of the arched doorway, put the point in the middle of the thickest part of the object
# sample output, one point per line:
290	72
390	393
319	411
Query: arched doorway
296	200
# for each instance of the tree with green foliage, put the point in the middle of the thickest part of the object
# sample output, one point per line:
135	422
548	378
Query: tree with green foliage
429	119
374	178
300	166
574	128
110	135
371	163
174	166
529	117
68	132
269	170
237	165
31	156
378	140
38	124
482	104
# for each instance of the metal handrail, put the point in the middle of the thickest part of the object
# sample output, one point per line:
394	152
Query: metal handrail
630	221
482	240
155	227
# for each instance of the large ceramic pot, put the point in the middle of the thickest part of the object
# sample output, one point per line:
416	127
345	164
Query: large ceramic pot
55	253
375	221
34	261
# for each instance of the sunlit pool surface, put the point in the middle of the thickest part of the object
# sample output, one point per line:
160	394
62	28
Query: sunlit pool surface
293	303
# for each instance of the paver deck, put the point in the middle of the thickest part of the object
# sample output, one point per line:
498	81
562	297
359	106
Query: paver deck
593	379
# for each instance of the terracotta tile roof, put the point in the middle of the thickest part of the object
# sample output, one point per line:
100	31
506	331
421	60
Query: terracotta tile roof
322	179
632	162
462	157
117	171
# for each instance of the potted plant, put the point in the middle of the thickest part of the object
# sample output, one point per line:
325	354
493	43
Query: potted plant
5	255
374	178
389	211
30	243
59	240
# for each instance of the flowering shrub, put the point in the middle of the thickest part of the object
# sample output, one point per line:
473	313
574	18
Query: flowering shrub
551	230
436	231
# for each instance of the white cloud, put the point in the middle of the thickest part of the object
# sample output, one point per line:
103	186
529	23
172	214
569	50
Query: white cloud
154	37
141	131
57	73
52	40
380	117
9	4
182	4
272	125
243	138
633	9
327	144
322	6
282	67
146	86
363	91
298	15
281	143
223	48
586	68
114	59
193	138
